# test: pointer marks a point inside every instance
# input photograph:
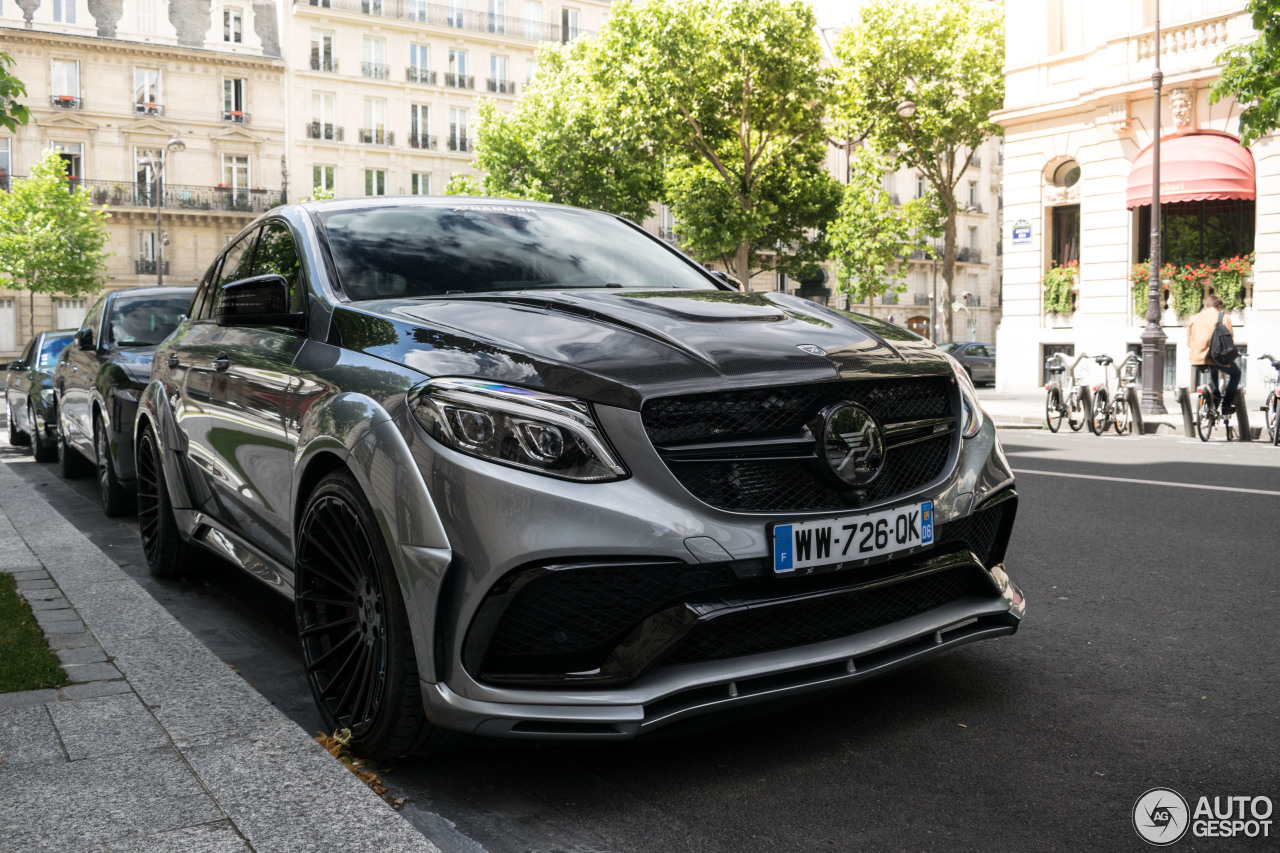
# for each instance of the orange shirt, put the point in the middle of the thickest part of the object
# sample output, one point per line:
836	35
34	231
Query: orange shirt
1200	332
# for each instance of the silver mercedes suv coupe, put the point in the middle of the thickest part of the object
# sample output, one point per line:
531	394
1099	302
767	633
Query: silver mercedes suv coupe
527	471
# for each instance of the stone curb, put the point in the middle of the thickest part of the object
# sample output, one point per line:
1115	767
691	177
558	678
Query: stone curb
155	744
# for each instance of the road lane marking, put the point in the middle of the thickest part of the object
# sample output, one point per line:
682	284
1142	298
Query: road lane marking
1148	482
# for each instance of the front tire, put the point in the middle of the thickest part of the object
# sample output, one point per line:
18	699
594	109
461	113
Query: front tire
1123	423
1100	421
42	448
116	500
1204	418
17	438
1053	410
1075	411
168	554
71	465
356	640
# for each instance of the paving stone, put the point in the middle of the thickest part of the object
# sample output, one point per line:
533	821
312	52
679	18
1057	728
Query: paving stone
29	574
106	725
27	697
27	736
81	672
46	583
63	615
71	626
220	837
88	654
265	805
40	594
49	604
188	688
100	604
61	807
94	688
72	641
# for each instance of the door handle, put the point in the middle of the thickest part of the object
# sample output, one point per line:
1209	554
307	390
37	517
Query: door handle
173	362
221	363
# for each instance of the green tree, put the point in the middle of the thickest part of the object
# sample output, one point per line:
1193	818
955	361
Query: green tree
460	184
731	94
1251	74
872	234
12	113
944	60
51	237
560	145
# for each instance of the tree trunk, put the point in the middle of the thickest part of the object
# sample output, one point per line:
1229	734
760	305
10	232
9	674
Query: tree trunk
948	268
741	266
871	304
31	311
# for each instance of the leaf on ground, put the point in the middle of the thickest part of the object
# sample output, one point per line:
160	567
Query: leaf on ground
338	745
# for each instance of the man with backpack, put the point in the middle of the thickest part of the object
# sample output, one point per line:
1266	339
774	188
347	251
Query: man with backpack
1212	347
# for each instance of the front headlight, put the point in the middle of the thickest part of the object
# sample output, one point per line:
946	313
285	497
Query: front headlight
526	429
971	412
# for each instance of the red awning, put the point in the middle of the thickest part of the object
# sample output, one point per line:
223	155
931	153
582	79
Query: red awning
1194	167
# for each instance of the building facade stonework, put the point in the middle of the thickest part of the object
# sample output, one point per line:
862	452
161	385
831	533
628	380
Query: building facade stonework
1077	119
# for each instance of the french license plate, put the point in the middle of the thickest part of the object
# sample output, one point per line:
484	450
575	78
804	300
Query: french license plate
851	539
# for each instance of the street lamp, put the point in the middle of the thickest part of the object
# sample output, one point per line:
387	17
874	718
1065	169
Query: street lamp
1153	337
173	146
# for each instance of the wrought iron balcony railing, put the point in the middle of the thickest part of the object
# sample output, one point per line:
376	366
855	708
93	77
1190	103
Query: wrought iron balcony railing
459	81
375	70
423	140
440	15
142	194
148	109
413	74
502	87
235	116
459	142
377	136
920	298
324	63
145	267
324	130
66	102
967	255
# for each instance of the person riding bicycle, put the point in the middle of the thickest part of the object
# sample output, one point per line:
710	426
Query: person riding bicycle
1199	334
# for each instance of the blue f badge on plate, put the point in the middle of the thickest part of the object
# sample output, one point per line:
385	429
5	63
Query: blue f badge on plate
782	557
926	523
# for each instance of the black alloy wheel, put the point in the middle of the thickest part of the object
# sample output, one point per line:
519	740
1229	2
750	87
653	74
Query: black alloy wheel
1075	411
168	555
1053	410
42	448
71	465
116	500
356	641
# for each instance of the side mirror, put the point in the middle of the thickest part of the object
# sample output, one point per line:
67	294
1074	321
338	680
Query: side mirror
15	365
84	339
727	279
262	300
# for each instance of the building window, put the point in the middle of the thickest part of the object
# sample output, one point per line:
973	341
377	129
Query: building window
420	127
375	181
322	51
1066	175
6	165
8	326
232	26
973	193
144	170
64	11
1065	235
1066	26
416	10
146	15
568	24
419	63
420	183
498	81
920	186
233	99
458	130
69	313
72	154
454	12
456	76
375	58
973	239
532	20
322	178
235	172
322	117
530	70
147	247
375	122
371	7
1193	232
146	91
780	282
65	78
498	16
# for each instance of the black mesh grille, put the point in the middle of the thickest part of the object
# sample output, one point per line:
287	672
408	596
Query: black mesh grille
766	412
978	531
785	626
801	484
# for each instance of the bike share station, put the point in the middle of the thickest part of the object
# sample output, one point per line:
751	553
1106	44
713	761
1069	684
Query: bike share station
1115	403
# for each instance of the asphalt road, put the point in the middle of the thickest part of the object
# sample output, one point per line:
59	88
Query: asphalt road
1150	657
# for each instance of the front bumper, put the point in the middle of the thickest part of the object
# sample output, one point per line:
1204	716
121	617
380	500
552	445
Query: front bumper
502	523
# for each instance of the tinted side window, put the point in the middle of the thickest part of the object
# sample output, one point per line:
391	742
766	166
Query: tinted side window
277	254
51	349
202	302
93	320
237	263
977	351
26	356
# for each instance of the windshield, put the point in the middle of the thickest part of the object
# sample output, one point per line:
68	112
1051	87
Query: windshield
144	321
51	349
389	252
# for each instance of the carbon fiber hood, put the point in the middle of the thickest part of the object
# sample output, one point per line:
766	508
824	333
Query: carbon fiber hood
622	347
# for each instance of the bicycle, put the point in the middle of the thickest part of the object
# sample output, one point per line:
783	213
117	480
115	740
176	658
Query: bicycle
1111	408
1055	408
1208	407
1272	406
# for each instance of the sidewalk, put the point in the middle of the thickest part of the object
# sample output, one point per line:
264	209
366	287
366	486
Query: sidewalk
156	746
1026	411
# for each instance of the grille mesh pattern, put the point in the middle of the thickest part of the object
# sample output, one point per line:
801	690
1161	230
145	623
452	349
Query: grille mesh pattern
796	485
800	623
770	412
978	531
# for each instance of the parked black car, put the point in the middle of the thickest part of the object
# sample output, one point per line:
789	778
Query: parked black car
28	394
978	360
99	378
527	471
